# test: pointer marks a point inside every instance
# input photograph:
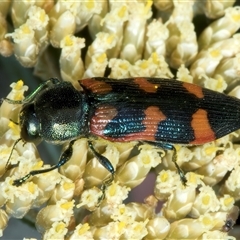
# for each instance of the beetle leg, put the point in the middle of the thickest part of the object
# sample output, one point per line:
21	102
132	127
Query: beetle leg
106	183
180	171
168	146
103	160
107	164
66	155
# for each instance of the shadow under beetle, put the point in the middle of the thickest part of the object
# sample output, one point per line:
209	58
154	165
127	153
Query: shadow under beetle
156	111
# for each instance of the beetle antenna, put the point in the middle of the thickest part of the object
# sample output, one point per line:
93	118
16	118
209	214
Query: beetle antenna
13	101
16	123
13	148
32	95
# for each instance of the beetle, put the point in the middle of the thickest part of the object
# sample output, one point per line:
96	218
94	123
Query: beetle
231	219
157	111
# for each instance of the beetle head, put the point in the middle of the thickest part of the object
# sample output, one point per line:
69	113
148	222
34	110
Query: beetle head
29	124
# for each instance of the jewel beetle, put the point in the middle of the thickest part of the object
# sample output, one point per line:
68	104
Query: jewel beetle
157	111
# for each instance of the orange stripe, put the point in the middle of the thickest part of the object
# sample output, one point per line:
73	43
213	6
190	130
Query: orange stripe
153	117
99	87
102	116
194	89
146	86
201	127
151	121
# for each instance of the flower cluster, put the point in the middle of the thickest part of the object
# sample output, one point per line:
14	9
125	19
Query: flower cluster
129	38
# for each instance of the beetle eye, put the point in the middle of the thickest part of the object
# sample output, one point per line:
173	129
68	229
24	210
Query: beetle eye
29	124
